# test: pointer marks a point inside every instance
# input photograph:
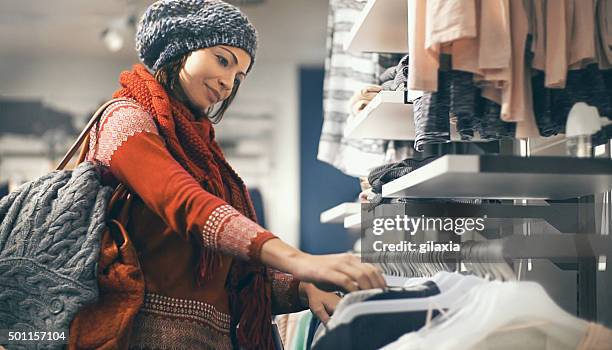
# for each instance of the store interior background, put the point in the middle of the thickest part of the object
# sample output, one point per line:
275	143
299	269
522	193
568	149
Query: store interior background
55	69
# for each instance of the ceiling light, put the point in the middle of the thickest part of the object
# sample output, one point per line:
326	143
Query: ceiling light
112	39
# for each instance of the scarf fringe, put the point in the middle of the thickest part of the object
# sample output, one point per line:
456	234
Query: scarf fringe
251	315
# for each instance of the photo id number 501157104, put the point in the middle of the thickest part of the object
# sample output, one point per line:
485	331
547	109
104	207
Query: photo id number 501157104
9	336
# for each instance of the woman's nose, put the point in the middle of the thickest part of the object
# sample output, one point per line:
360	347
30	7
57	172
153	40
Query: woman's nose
225	82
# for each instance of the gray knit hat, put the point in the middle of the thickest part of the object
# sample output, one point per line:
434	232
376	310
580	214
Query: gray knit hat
171	28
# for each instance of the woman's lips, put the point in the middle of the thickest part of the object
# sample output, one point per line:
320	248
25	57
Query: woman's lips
213	95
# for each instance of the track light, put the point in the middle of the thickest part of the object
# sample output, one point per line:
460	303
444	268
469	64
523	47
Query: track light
117	30
112	39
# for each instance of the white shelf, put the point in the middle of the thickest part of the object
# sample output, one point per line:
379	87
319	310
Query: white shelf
504	177
337	214
381	27
386	117
352	221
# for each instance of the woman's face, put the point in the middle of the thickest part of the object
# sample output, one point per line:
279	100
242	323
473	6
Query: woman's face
210	74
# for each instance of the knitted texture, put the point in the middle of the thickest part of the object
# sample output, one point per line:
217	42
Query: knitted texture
248	285
394	78
171	28
384	174
50	235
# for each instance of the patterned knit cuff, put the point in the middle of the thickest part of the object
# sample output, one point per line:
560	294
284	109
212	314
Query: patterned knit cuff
230	232
257	243
286	294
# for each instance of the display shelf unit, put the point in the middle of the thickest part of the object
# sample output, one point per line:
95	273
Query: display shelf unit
337	214
387	117
381	27
504	177
353	221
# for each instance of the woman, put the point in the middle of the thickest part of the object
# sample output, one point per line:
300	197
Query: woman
207	265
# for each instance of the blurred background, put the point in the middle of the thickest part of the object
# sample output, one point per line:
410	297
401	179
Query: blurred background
60	59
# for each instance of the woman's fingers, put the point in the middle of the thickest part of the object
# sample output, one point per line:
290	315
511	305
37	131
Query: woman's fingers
376	276
343	281
330	304
322	314
359	275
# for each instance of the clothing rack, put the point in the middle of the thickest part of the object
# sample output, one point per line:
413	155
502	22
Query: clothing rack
564	189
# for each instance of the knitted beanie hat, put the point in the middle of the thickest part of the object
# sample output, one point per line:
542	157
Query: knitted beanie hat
171	28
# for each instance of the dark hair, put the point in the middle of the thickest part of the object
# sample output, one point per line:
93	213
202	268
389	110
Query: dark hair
168	77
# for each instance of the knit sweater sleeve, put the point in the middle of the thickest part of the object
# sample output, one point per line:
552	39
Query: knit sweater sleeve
127	142
285	293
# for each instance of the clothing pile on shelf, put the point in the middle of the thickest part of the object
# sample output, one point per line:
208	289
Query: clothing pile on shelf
386	173
456	311
395	78
346	73
505	68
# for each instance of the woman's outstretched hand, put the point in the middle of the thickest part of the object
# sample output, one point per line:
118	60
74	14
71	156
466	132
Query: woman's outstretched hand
322	304
328	272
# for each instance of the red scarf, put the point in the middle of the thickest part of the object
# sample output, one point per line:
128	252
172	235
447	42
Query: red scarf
248	285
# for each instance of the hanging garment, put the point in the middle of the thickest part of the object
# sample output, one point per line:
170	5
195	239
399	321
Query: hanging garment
488	311
495	35
582	34
373	330
537	24
346	73
457	96
312	329
603	44
423	68
431	115
491	126
597	337
517	104
281	322
464	103
556	44
300	337
552	106
448	21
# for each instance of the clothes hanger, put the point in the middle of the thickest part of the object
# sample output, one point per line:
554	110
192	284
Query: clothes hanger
456	287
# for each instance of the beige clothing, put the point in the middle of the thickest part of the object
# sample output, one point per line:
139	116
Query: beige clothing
538	44
449	20
556	44
517	103
495	42
597	337
423	67
465	50
582	39
604	33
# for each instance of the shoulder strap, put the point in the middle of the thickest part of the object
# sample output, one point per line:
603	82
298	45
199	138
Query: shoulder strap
94	119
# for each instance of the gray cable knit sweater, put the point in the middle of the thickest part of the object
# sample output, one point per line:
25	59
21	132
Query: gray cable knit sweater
50	231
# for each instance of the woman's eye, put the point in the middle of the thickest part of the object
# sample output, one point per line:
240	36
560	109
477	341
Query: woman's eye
223	61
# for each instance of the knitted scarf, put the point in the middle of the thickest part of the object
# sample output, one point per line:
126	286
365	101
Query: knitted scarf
248	286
